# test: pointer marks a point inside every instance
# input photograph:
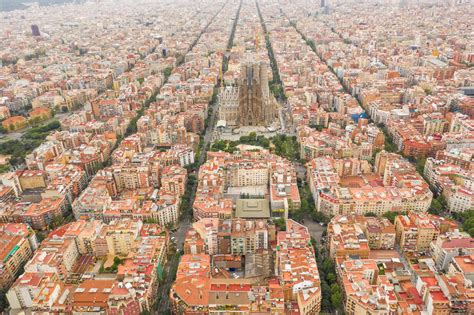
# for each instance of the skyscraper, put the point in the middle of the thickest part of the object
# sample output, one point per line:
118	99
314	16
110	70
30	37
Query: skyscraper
35	30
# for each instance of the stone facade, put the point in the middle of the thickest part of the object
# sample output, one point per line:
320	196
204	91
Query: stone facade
250	103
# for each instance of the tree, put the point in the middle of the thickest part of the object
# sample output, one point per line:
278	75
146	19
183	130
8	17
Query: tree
34	120
336	296
438	205
280	223
467	219
336	299
220	145
370	214
331	278
328	265
325	296
469	224
389	145
319	217
305	207
286	147
420	165
297	216
117	260
253	136
3	300
40	236
4	168
57	221
390	215
471	232
167	72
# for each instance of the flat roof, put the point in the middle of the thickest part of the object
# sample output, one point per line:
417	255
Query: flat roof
259	190
252	208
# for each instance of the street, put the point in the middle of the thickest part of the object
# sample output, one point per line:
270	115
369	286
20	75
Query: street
208	133
185	223
315	229
171	265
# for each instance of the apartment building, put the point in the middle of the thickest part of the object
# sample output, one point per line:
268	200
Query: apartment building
227	180
194	243
40	215
173	179
446	247
296	268
54	276
345	238
368	192
415	232
121	236
233	236
365	289
18	243
32	179
201	286
167	209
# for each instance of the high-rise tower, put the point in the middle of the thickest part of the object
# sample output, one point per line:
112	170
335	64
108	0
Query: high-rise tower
35	30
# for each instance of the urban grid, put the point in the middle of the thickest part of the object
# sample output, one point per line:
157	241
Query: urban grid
237	157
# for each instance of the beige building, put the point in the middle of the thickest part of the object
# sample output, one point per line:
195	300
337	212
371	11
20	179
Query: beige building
173	179
309	301
131	177
365	290
32	179
56	255
26	288
415	232
85	233
247	173
121	236
394	187
380	232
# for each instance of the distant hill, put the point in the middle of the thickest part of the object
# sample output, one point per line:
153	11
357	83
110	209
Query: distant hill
10	5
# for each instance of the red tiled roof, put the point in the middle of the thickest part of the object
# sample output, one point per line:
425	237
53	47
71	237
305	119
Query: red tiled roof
459	243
